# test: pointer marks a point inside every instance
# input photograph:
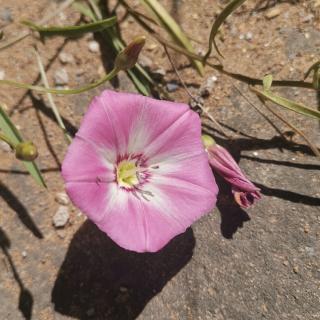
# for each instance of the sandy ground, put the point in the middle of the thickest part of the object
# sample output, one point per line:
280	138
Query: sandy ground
262	263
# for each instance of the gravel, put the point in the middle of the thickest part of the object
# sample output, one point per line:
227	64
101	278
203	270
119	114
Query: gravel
61	217
61	77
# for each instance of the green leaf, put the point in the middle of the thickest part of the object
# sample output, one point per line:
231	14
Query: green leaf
267	82
84	9
71	31
14	135
172	27
288	104
232	6
137	75
316	75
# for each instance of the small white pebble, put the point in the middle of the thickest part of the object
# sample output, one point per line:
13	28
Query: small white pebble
94	46
61	217
272	13
255	153
61	77
62	198
65	57
241	37
307	35
24	254
2	74
249	36
4	146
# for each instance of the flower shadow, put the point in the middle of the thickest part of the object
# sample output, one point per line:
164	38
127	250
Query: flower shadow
100	280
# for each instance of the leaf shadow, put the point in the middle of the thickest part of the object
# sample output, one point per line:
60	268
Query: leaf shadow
14	203
98	279
25	296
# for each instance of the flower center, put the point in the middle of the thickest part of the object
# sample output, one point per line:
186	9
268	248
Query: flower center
127	174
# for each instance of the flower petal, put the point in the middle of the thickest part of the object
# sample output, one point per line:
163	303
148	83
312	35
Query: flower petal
179	197
86	162
128	122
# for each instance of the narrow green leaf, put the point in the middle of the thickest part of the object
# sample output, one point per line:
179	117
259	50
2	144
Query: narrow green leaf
315	66
232	6
71	31
84	9
172	27
16	84
316	75
13	134
139	77
52	104
288	104
267	82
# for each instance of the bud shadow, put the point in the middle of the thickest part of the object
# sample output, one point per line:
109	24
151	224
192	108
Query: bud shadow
233	217
100	280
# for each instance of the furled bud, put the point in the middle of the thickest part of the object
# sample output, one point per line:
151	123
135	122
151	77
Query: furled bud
128	57
26	151
221	161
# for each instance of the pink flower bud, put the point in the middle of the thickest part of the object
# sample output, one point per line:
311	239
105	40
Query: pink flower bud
128	57
245	192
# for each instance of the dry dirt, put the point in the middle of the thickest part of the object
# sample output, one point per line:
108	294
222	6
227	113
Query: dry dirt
262	263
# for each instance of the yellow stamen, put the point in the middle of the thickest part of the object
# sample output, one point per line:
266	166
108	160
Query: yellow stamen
127	174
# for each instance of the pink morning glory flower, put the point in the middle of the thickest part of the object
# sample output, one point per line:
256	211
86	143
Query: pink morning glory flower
244	191
137	168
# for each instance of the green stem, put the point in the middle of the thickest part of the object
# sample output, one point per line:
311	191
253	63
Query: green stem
107	77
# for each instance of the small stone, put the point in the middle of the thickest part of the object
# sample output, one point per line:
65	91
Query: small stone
24	254
272	13
152	46
61	217
306	228
172	86
207	87
90	312
264	308
255	153
61	77
144	61
160	72
308	18
4	146
6	15
123	289
286	263
65	57
310	251
241	37
94	46
249	36
2	74
295	269
62	198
